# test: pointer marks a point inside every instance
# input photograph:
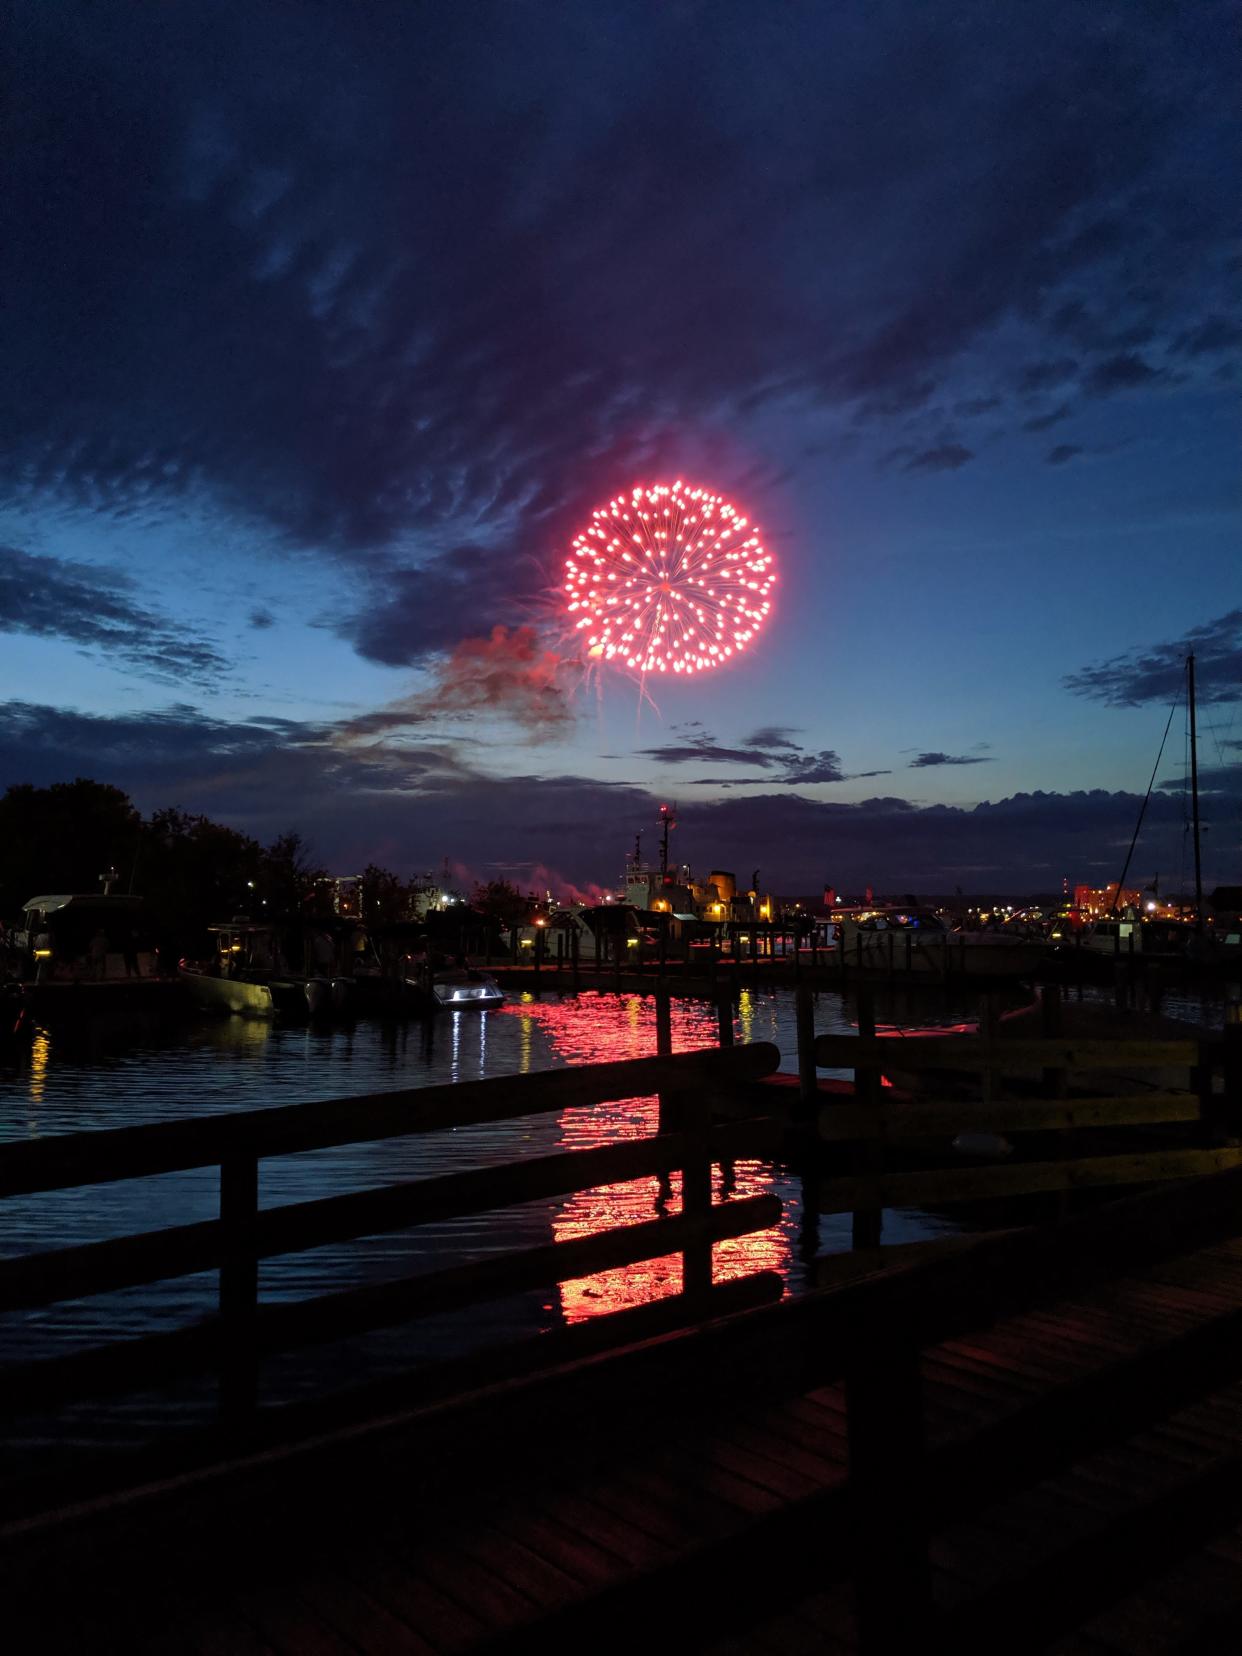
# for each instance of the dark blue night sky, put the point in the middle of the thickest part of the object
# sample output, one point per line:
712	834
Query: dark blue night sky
328	324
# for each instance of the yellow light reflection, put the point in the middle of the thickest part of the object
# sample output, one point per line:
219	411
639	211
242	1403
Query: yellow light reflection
40	1054
746	1013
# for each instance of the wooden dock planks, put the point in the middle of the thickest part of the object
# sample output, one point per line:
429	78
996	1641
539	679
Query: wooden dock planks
730	1507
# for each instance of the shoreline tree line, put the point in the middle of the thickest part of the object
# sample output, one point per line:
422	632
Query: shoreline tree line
191	871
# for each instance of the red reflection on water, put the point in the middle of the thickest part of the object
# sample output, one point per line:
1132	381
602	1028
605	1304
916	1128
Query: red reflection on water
597	1029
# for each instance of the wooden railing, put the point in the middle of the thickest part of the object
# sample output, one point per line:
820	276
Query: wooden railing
875	1526
1205	1118
233	1343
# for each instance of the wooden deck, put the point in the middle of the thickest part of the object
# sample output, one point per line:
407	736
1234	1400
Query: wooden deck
1026	1440
1071	1480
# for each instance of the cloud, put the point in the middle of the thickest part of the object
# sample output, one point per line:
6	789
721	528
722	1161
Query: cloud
770	748
1063	452
1124	372
401	805
261	618
417	611
1212	336
1159	672
946	457
673	753
508	675
1222	782
815	767
1039	376
375	313
93	606
926	760
1042	422
773	736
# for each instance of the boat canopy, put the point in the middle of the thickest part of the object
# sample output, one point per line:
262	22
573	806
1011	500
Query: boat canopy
80	900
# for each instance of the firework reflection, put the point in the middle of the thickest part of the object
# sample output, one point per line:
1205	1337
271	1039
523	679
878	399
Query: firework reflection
597	1029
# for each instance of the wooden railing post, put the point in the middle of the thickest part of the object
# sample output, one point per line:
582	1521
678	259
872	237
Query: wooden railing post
808	1106
239	1284
1050	1017
987	1034
808	1086
724	1015
1231	1067
887	1450
664	1049
693	1113
664	1021
1211	1114
868	1223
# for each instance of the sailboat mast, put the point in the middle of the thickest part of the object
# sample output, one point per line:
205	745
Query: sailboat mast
1194	789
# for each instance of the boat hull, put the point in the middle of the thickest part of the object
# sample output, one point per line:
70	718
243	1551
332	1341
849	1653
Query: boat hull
467	993
229	995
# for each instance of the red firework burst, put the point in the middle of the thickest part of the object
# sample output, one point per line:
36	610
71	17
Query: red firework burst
668	579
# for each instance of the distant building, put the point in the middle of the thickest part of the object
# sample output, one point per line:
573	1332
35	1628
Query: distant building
1094	901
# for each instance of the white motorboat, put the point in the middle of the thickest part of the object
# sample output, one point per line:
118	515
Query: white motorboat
465	990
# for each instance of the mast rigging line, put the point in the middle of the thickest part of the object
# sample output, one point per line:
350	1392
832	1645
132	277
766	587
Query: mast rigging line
1138	826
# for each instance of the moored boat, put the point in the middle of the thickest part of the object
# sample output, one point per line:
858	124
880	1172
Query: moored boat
466	990
225	994
918	943
462	989
250	974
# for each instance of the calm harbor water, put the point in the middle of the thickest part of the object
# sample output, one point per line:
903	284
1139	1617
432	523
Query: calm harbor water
127	1070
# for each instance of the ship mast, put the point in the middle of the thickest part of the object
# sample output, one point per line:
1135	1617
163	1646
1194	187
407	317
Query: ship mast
1194	790
669	821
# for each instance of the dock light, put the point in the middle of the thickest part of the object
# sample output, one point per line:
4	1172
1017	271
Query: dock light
631	942
541	922
43	954
528	942
1151	908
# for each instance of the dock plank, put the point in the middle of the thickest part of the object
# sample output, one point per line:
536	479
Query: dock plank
572	1551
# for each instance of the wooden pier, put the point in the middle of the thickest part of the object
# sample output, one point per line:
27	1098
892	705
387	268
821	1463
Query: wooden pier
1024	1440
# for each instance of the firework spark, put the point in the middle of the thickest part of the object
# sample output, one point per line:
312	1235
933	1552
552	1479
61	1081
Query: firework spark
668	579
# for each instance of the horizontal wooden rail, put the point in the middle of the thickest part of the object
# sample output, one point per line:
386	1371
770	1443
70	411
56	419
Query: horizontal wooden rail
155	1358
937	1186
968	1052
848	1123
245	1330
74	1159
130	1261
